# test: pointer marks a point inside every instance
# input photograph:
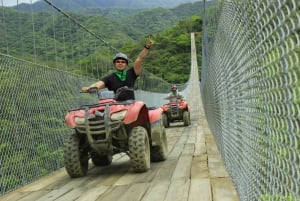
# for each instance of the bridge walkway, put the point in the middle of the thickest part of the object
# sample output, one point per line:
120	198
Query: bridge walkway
193	171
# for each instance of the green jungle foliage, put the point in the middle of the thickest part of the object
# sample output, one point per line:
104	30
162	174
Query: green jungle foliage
169	58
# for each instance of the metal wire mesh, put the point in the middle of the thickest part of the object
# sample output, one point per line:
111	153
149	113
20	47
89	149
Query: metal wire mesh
250	90
39	83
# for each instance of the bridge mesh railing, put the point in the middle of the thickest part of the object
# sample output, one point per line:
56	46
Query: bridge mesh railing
250	88
39	83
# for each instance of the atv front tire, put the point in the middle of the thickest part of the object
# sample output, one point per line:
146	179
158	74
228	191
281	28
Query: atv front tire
139	149
160	152
165	121
75	156
186	118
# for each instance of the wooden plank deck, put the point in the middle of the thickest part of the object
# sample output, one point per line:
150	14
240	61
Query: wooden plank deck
194	171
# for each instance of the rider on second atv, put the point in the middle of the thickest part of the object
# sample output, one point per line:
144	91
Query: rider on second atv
122	76
174	94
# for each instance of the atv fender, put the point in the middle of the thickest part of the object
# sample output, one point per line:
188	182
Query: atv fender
184	105
137	113
155	115
70	117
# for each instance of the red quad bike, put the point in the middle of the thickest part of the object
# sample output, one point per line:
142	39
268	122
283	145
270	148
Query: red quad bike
113	126
176	110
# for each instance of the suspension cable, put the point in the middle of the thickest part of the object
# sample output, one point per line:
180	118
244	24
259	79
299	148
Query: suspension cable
80	25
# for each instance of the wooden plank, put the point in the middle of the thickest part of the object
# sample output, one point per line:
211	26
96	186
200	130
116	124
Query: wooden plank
71	195
200	190
42	183
192	135
33	195
127	178
224	190
135	192
109	175
188	149
13	196
132	177
199	168
211	146
178	190
150	175
216	167
113	193
166	171
54	194
200	149
157	191
175	152
92	194
183	168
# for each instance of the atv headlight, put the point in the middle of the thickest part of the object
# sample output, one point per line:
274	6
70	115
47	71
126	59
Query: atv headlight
79	120
118	115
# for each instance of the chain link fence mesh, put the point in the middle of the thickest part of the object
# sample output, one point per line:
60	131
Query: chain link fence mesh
37	91
251	93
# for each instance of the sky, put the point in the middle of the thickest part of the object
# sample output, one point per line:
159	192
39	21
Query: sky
15	2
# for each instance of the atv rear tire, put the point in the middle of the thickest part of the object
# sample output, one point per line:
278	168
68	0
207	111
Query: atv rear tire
186	118
139	149
165	121
160	152
75	156
101	160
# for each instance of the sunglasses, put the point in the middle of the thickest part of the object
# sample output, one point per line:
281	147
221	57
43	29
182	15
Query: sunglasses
121	61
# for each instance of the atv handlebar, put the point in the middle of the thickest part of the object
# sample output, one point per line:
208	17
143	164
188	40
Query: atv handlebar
120	95
91	90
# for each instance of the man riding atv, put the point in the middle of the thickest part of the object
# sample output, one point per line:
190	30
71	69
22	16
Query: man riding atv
176	110
123	76
174	94
116	123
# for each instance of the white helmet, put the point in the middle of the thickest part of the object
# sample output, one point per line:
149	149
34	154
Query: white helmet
120	55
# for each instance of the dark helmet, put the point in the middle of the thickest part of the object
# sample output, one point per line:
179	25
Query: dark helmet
120	55
174	88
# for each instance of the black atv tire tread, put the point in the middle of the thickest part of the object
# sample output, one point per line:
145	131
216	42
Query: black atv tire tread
75	158
165	121
160	152
139	149
186	118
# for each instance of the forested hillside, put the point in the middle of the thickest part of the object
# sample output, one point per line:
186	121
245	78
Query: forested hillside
170	29
77	5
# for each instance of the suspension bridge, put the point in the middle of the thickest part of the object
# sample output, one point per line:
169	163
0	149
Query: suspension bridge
243	142
193	171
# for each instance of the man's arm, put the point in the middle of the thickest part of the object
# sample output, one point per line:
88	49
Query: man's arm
100	85
139	60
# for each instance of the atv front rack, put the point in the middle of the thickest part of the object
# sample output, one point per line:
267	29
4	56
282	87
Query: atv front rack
84	106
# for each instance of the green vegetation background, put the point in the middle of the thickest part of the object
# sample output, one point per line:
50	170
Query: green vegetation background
169	28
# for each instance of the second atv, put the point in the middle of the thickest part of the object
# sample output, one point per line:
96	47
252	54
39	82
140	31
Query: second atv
113	126
175	110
